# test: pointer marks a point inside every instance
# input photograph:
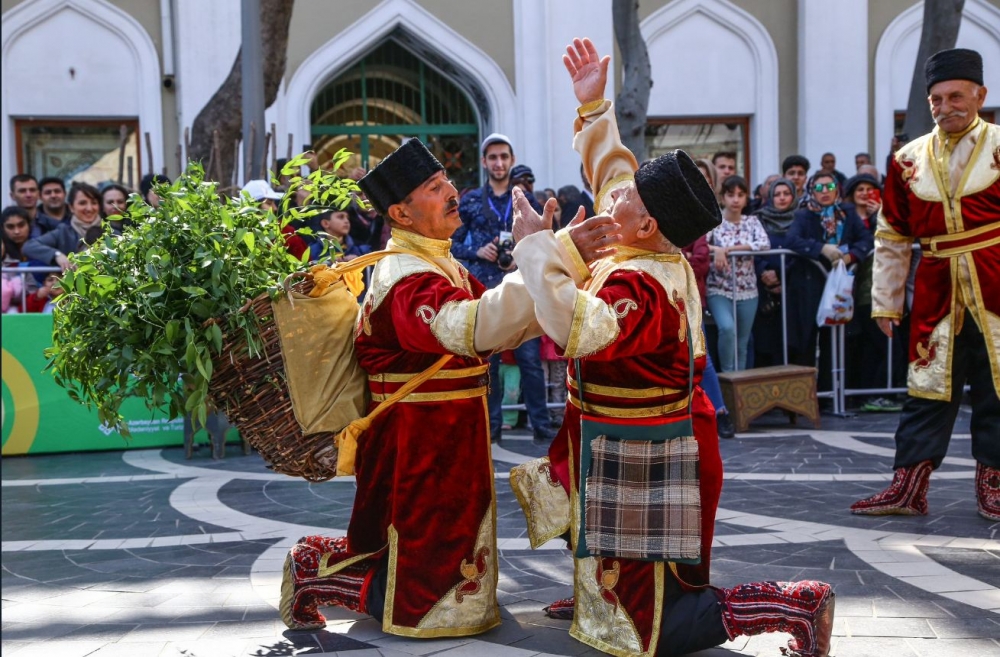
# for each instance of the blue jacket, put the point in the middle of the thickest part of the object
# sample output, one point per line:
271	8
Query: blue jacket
806	235
481	224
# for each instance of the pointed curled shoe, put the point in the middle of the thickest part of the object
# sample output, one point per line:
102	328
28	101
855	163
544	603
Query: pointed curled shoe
988	491
905	496
803	609
561	609
319	572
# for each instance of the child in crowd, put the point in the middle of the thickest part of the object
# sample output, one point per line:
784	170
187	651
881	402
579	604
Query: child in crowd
43	299
737	232
335	229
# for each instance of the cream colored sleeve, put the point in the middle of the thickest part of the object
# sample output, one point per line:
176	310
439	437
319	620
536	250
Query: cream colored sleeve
502	318
606	161
892	265
506	316
579	322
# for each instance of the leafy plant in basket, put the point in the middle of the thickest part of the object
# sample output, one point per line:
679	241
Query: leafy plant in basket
146	313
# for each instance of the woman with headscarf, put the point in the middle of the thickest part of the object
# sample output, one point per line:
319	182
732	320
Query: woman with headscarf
826	232
776	217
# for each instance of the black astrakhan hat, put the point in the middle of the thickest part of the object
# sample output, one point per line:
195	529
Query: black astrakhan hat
676	194
401	172
954	64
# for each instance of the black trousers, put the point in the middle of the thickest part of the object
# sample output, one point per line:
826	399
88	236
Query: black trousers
925	425
691	622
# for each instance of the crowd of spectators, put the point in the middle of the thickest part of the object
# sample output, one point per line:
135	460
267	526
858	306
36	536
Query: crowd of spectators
822	217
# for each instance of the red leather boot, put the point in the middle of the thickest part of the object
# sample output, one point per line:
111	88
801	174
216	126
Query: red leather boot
988	491
306	586
803	609
905	496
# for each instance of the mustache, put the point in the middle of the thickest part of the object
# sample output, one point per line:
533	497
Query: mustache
941	117
452	205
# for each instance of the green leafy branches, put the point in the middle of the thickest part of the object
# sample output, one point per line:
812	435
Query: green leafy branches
145	313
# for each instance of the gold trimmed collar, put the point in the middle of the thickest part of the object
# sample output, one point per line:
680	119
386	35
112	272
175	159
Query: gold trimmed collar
630	253
952	138
426	245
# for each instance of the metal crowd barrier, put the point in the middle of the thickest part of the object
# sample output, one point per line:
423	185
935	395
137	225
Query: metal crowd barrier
839	391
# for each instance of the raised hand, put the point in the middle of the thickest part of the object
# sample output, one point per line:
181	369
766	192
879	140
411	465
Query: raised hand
588	71
596	237
526	220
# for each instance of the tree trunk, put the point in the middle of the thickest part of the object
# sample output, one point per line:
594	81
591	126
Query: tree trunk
633	99
942	19
224	110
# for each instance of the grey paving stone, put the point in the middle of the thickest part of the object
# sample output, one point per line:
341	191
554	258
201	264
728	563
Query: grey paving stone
965	628
955	647
872	647
890	627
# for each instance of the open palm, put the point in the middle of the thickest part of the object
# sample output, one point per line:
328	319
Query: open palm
587	69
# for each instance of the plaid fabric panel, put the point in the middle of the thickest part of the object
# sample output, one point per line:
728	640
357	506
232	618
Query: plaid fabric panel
643	501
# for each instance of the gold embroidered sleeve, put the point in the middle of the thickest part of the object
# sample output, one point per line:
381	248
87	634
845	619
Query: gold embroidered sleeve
562	310
454	326
892	265
606	161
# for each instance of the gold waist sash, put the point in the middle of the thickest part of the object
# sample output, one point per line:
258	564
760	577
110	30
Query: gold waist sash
953	244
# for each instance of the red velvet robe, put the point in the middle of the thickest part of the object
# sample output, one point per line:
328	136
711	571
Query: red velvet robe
647	353
424	471
958	228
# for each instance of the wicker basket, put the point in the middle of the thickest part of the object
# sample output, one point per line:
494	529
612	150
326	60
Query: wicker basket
254	396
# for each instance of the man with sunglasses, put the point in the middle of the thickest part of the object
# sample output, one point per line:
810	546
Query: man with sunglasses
942	191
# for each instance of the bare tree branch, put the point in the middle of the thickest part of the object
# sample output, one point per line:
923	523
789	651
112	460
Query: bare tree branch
224	111
633	99
942	18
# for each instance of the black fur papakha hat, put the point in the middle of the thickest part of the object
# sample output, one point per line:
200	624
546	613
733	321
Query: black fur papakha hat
954	64
401	172
676	194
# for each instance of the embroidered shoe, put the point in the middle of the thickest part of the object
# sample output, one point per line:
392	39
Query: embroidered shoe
803	609
905	496
988	491
313	577
561	609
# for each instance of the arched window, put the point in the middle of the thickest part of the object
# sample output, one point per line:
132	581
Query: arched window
388	96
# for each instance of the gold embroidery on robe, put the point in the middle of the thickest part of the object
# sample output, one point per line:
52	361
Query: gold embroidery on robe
623	307
543	500
930	375
426	314
472	611
596	621
594	327
455	326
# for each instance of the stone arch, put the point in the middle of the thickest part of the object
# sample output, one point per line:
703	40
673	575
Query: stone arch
134	45
691	18
897	51
454	56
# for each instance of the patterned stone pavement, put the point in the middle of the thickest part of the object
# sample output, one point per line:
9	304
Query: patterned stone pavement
144	553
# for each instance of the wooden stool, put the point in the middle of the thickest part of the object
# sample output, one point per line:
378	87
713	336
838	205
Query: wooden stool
751	393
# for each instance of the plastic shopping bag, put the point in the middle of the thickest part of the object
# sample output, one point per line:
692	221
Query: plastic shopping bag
837	304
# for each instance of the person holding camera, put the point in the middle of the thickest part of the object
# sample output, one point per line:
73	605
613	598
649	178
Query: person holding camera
485	243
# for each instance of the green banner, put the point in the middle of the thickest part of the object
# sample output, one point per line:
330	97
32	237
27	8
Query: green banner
39	417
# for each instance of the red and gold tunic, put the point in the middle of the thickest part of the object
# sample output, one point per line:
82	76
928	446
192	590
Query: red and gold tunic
424	471
629	318
944	192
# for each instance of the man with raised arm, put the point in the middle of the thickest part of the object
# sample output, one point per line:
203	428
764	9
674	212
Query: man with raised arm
631	323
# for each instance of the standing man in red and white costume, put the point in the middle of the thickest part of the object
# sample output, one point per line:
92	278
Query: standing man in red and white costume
635	328
943	191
